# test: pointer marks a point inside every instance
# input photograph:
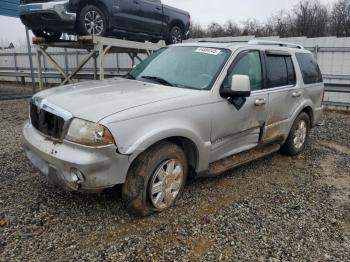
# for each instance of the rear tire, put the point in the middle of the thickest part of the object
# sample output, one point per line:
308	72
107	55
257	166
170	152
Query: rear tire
155	180
92	21
47	35
176	36
298	136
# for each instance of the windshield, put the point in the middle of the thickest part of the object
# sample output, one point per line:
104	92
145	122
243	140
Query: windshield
186	67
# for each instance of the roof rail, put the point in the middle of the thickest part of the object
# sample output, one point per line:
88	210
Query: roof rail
282	44
222	42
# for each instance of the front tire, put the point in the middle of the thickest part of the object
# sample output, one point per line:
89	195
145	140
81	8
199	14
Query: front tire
176	36
155	180
298	136
92	21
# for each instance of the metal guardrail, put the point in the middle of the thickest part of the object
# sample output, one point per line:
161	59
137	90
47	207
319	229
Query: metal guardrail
111	72
86	75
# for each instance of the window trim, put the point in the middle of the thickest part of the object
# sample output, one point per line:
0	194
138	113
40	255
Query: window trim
277	53
239	56
295	72
266	87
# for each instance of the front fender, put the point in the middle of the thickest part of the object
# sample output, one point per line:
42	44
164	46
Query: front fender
134	136
151	138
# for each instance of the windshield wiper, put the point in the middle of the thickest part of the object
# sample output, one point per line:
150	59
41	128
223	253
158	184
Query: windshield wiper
159	80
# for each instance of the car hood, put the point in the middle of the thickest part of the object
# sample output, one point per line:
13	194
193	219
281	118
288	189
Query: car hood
96	100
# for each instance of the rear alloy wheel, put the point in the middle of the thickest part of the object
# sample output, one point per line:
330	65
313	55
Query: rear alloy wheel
92	21
47	35
175	36
298	135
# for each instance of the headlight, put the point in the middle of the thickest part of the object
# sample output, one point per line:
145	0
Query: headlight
89	133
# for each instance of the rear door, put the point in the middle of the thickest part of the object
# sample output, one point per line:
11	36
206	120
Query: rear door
284	93
151	16
238	129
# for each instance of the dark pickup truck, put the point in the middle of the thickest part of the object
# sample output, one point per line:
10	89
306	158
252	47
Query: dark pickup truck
131	19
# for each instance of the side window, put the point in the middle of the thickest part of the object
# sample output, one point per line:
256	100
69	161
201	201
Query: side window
277	74
291	71
250	65
309	68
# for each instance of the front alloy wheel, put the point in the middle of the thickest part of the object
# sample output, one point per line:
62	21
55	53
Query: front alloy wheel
166	184
156	179
92	21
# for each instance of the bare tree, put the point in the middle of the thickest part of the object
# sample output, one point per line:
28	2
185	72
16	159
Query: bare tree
197	31
215	30
340	18
252	27
310	18
232	29
282	24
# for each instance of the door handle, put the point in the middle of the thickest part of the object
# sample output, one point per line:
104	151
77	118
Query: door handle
260	102
297	94
158	8
136	2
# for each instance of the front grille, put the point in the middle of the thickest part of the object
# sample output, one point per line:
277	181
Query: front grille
46	122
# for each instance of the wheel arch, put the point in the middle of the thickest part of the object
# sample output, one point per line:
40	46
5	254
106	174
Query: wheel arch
177	22
193	149
189	147
308	110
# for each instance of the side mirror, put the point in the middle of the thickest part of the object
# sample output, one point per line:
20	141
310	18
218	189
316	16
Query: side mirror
240	87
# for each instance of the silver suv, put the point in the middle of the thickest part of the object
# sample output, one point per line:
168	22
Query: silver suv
195	109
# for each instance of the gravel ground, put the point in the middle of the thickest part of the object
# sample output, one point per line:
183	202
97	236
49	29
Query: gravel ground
279	208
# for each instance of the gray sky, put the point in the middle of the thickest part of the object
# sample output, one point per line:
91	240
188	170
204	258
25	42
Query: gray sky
204	12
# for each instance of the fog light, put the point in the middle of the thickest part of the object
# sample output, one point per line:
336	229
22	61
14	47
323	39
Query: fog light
77	176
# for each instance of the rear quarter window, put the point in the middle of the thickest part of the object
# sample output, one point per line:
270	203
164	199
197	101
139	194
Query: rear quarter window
309	68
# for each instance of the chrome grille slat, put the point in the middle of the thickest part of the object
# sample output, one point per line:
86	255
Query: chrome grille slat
46	122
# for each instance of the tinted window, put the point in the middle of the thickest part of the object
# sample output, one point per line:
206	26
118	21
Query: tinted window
249	65
290	70
309	68
277	74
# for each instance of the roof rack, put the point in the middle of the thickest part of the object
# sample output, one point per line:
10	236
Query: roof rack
282	44
223	42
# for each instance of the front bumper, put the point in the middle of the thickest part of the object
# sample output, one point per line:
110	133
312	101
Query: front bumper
99	167
52	16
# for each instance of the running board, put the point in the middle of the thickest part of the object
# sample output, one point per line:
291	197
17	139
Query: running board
218	167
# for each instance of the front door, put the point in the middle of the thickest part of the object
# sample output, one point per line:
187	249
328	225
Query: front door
236	130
